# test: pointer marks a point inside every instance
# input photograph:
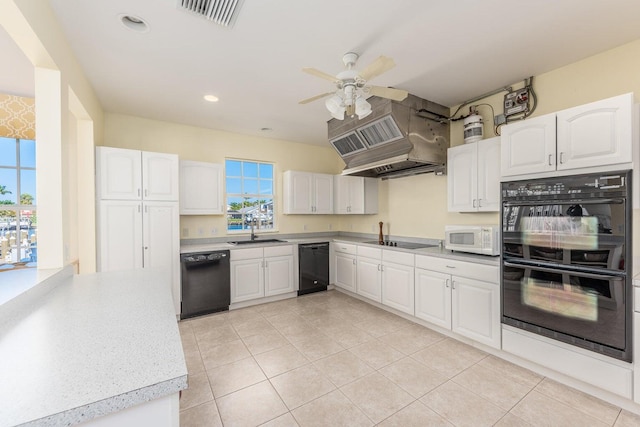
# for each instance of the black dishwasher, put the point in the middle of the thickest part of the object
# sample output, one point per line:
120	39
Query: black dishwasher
206	283
314	267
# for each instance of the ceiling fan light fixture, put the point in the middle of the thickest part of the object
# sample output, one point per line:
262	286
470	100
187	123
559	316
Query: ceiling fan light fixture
335	107
363	108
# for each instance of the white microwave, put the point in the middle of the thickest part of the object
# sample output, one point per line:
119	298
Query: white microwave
476	239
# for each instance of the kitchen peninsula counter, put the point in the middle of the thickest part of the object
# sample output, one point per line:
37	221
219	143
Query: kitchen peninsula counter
91	345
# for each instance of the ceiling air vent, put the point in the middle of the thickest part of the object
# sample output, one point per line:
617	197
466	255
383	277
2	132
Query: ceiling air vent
348	144
222	12
380	131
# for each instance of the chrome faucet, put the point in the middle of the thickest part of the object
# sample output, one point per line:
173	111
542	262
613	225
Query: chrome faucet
253	234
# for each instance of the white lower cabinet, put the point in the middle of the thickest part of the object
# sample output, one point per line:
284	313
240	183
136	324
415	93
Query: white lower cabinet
368	278
261	272
386	276
278	275
344	265
460	296
247	279
433	297
398	280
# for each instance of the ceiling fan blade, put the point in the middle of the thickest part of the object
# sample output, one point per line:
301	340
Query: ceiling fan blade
320	74
387	92
308	100
377	67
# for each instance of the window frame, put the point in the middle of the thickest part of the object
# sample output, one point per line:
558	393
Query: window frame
18	207
271	196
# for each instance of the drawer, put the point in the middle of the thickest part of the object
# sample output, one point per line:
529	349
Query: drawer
369	252
485	273
278	250
346	248
249	253
398	257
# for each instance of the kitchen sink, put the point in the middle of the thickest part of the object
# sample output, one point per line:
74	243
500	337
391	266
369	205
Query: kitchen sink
249	242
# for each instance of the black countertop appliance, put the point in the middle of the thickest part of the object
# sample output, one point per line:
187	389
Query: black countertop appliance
314	267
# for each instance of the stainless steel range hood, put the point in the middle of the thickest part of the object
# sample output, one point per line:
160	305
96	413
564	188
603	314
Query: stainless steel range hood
396	139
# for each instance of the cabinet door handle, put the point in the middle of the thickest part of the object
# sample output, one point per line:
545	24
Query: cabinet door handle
550	159
266	264
354	262
473	203
453	284
446	283
146	192
138	208
138	192
561	157
479	203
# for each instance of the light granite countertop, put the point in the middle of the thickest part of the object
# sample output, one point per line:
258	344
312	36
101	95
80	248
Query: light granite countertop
435	251
87	346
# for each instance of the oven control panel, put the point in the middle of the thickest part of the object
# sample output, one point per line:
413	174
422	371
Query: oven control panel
567	185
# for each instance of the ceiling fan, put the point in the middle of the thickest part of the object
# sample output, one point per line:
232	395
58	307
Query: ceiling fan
352	87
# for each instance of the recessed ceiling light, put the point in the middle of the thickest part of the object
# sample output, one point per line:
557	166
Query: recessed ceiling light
134	23
211	98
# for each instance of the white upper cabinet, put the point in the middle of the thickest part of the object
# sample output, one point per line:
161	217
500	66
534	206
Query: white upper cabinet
160	172
136	175
592	135
355	195
473	178
596	134
119	175
307	193
201	188
529	146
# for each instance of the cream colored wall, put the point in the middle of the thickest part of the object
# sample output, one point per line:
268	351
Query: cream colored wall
193	143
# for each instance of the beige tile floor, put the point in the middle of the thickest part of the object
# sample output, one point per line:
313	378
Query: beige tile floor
328	359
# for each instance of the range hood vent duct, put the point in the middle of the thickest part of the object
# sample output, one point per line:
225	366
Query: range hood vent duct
222	12
393	141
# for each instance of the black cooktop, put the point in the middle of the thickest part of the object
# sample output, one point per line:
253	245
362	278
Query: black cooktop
403	245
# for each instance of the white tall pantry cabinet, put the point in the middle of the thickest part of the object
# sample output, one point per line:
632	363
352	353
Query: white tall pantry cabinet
138	212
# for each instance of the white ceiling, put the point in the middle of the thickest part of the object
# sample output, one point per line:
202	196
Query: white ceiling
445	51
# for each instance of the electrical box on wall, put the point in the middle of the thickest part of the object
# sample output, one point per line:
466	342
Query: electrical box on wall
516	102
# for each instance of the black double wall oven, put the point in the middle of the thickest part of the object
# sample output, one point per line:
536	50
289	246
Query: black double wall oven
566	260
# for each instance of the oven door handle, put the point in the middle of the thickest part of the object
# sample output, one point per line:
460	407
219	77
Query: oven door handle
565	202
587	274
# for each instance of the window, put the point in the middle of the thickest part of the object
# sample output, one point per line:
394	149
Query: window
249	195
18	219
